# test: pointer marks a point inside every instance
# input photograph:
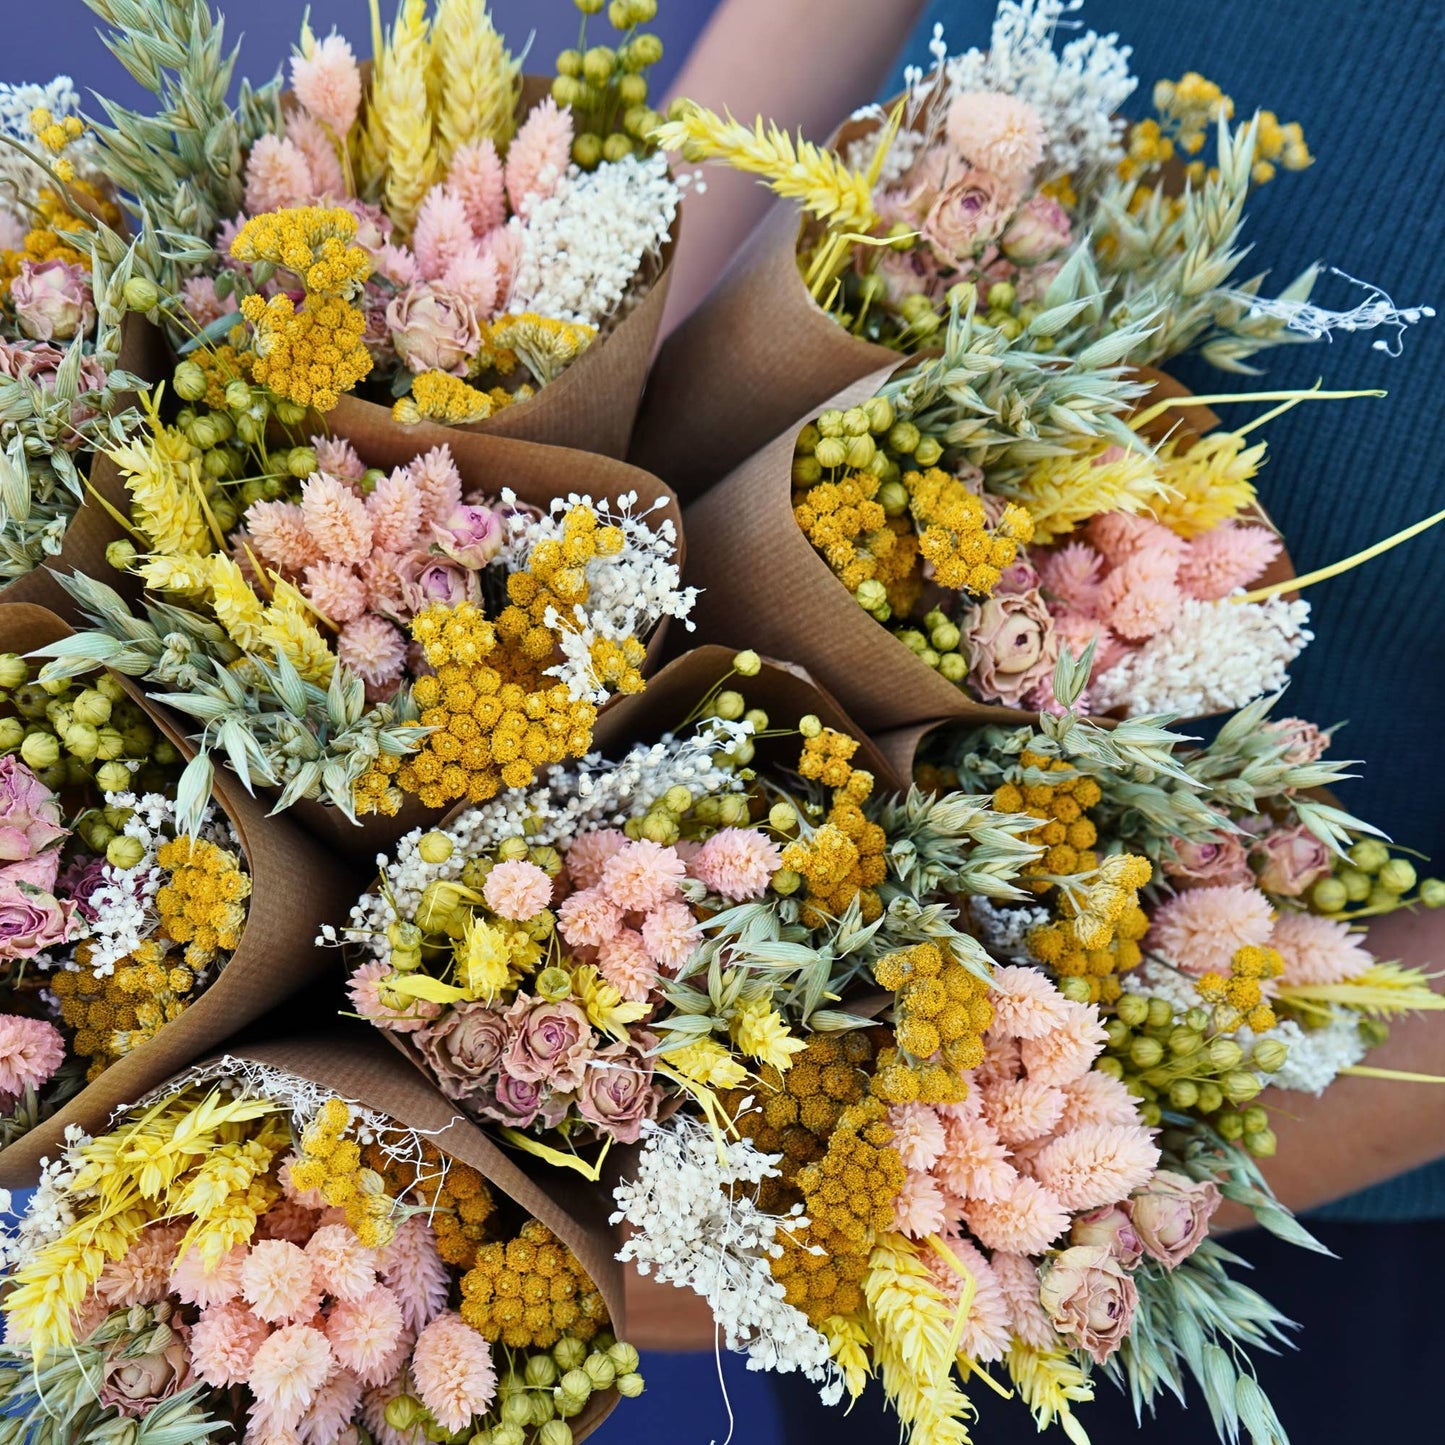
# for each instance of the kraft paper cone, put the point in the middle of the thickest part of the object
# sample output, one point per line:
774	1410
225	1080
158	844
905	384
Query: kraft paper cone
92	529
294	889
537	474
359	1067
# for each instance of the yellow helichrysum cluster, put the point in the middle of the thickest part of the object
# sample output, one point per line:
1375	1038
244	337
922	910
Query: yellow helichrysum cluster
954	535
1239	998
530	1291
845	522
331	1164
1064	831
312	355
456	1199
202	904
843	859
545	345
941	1011
440	396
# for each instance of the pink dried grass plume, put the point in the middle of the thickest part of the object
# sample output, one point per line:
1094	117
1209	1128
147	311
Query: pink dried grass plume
919	1207
306	133
327	81
1097	1098
335	590
404	1016
337	457
224	1342
919	1135
517	889
336	519
1022	1109
588	854
345	1267
290	1220
278	176
1066	1053
442	232
1139	599
277	1281
364	1334
287	1371
974	1164
411	1267
1026	1219
332	1410
142	1275
1071	575
373	649
737	863
642	875
538	156
1018	1281
279	535
397	509
194	1284
626	963
1318	950
435	472
986	1331
30	1052
671	934
476	176
1201	930
998	133
1097	1164
589	918
1227	557
475	277
1025	1003
452	1368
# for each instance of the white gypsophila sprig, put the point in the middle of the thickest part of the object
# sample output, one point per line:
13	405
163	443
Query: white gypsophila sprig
695	1226
584	247
51	1210
1315	1056
1213	657
1004	929
566	801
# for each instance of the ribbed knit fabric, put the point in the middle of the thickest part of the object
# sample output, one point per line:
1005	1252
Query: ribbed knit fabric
1365	84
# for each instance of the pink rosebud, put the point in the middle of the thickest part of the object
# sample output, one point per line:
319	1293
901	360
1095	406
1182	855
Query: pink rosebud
1171	1215
29	815
470	535
617	1093
968	214
1011	647
135	1385
1292	860
31	920
52	301
1090	1298
433	329
1111	1227
1219	860
551	1043
1307	743
426	579
1038	231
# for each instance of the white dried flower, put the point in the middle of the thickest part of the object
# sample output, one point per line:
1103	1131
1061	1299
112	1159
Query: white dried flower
1315	1056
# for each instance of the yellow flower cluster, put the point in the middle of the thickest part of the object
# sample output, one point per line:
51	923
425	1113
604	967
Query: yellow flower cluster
846	523
1240	997
545	345
222	365
331	1164
954	534
1062	492
1063	830
202	905
440	396
55	230
530	1291
843	859
1208	484
313	242
457	1200
941	1012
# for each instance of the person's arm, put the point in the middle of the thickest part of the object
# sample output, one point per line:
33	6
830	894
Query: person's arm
805	64
1361	1131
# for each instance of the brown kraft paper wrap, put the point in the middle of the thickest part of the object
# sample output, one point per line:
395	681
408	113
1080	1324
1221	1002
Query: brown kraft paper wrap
360	1068
294	888
591	406
92	529
537	474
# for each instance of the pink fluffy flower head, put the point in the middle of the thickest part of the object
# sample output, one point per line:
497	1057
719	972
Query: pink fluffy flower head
287	1371
336	518
588	854
918	1135
435	472
442	232
373	649
476	177
1139	598
517	889
327	81
331	1411
1065	1053
1318	950
1227	557
1201	930
197	1285
1097	1164
1076	632
1022	1109
538	156
30	1052
1096	1098
1025	1003
737	863
1122	535
452	1367
918	1209
278	531
475	276
338	458
224	1342
974	1164
412	1269
986	1331
1018	1281
670	933
1071	575
368	998
588	918
1025	1219
278	1282
345	1267
142	1275
364	1333
625	962
642	875
308	135
396	508
998	133
277	176
335	590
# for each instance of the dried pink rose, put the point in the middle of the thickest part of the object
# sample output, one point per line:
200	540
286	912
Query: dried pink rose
471	536
433	329
1291	860
969	212
1090	1298
1111	1227
1171	1215
426	578
31	919
521	1102
1307	743
1220	860
617	1092
52	300
465	1047
135	1386
1038	231
1011	646
551	1042
29	816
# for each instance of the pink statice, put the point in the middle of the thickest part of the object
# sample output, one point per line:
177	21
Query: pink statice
671	934
517	889
397	511
1318	950
986	1331
538	156
373	649
642	875
411	1268
331	1411
335	591
1065	1053
476	176
625	962
1024	1219
279	534
1226	557
327	81
345	1267
998	133
200	301
737	863
1022	1109
474	276
1138	599
224	1342
287	1371
452	1367
974	1163
1018	1280
1071	575
589	852
368	998
364	1333
31	1050
442	232
194	1284
142	1275
278	1282
1097	1164
435	472
338	458
918	1210
918	1135
1025	1003
588	918
1201	930
336	519
277	176
307	135
1097	1098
